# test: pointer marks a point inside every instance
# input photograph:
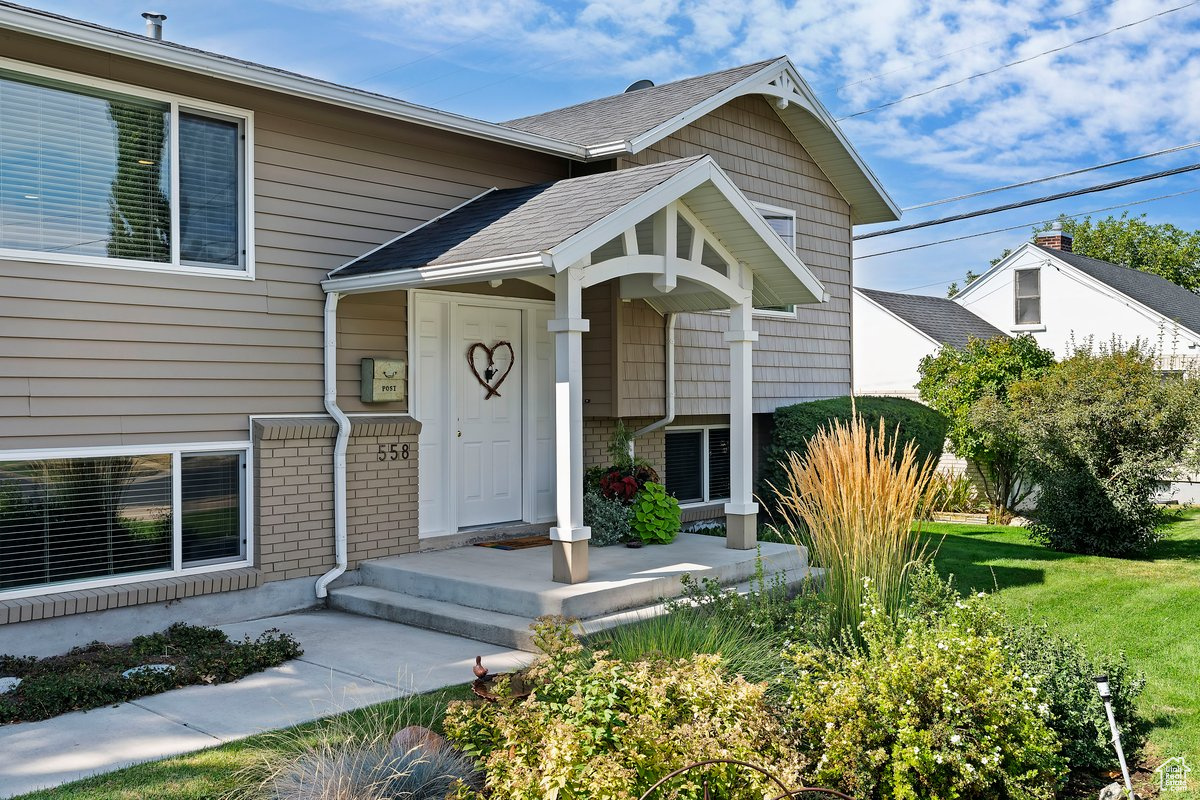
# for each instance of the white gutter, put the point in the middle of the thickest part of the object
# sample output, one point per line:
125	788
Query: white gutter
339	447
670	415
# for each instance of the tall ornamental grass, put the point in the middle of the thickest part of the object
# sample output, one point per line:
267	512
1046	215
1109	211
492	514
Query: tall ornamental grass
852	500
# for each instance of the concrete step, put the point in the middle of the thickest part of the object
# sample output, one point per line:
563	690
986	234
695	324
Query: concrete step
524	589
494	627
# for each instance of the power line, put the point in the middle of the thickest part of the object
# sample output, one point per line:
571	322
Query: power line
1017	227
1102	187
1024	30
1026	60
425	57
1048	178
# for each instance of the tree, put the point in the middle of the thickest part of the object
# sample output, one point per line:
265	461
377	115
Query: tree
1101	431
953	289
970	387
1162	249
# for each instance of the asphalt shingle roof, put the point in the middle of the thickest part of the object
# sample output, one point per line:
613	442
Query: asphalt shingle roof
507	222
941	319
1169	299
622	117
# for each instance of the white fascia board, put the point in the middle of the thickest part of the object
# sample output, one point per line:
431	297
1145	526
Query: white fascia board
995	269
705	170
899	319
443	275
168	54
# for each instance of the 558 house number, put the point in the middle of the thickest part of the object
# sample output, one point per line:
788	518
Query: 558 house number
392	452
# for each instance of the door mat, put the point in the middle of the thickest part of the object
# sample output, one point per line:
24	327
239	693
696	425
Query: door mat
517	544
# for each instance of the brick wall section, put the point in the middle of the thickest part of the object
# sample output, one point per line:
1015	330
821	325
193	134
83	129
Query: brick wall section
294	491
597	434
162	590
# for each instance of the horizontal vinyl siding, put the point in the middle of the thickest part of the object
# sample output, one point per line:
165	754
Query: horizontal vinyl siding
794	360
96	356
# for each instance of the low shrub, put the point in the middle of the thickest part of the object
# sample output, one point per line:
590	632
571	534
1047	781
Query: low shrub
92	676
925	708
953	494
655	515
598	727
794	427
609	519
745	650
1063	668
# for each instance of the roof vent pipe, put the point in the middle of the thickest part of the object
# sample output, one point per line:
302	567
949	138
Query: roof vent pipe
154	22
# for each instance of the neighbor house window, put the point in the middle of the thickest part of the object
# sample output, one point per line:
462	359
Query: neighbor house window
783	222
103	518
100	175
698	464
1028	297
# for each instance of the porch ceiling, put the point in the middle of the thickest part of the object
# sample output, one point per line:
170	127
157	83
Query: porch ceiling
545	229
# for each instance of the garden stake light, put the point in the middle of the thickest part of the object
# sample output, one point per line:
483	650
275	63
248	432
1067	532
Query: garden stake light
1106	695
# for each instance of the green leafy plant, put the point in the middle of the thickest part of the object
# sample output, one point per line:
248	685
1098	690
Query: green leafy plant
1062	667
954	494
609	519
925	708
92	676
970	387
852	500
1103	430
598	727
794	427
656	516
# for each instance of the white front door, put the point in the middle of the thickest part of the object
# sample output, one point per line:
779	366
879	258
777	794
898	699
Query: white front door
488	432
486	452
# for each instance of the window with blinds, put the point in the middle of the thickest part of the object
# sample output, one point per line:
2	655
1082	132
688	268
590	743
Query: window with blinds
697	462
87	174
73	520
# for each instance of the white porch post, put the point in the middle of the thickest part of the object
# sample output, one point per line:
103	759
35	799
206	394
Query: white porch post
569	537
741	512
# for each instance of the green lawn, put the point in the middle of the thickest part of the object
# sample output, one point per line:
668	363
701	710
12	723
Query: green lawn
211	774
1148	607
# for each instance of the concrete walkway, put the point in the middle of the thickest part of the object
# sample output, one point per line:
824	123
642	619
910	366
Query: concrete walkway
348	662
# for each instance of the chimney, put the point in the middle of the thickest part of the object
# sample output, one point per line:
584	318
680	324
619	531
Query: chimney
1054	238
154	22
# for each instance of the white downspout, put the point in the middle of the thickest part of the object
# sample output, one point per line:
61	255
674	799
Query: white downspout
339	447
670	415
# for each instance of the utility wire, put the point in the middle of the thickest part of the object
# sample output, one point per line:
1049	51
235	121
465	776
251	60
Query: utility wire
1048	178
1102	187
425	57
931	59
1017	227
1025	60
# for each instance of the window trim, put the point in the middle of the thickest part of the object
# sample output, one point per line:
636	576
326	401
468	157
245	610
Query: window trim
177	103
1017	298
764	210
176	451
704	470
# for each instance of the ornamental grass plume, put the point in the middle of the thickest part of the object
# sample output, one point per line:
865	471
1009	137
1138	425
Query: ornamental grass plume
852	500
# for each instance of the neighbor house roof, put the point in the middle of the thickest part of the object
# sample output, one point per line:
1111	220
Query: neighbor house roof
538	231
1156	293
939	318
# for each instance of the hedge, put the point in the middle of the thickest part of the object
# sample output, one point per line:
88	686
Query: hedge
795	425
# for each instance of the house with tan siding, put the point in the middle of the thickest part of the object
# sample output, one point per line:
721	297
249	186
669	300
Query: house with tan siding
259	329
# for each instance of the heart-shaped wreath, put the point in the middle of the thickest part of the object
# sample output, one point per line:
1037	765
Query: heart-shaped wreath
492	377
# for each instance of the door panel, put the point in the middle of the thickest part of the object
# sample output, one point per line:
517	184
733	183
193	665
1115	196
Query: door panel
489	431
431	330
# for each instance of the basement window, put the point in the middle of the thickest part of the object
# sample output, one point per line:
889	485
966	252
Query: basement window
698	464
104	518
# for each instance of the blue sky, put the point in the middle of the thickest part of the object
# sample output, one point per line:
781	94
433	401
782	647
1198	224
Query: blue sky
1133	89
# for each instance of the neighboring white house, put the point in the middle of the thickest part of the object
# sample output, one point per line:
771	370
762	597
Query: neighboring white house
893	332
1044	289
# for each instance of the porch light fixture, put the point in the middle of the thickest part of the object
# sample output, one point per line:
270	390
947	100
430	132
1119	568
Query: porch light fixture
1105	691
